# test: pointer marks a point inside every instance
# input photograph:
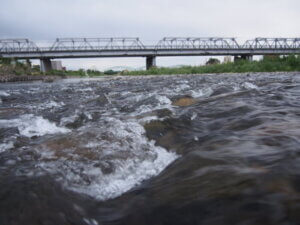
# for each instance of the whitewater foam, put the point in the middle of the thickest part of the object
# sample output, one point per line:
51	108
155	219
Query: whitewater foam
53	104
6	146
30	125
130	174
47	105
4	93
163	100
182	87
161	103
194	116
133	157
204	92
249	86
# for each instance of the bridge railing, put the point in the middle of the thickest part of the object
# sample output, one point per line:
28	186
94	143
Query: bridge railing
273	43
68	44
18	45
197	43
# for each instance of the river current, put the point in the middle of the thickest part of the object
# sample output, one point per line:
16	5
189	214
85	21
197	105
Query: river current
194	149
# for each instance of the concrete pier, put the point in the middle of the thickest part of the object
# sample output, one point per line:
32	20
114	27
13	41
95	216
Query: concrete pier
46	65
150	62
247	57
243	57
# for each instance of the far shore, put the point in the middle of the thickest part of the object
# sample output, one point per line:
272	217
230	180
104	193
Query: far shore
52	78
268	64
28	78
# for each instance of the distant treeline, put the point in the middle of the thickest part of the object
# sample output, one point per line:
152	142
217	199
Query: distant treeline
82	73
267	64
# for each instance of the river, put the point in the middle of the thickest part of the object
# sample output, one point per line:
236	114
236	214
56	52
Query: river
194	149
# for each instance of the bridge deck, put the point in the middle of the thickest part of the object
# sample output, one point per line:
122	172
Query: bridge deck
144	53
133	47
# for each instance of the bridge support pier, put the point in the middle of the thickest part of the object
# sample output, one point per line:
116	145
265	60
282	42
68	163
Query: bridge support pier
28	63
247	57
243	57
150	62
46	65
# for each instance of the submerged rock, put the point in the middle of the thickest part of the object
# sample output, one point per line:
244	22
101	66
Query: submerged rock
184	101
6	113
163	113
168	135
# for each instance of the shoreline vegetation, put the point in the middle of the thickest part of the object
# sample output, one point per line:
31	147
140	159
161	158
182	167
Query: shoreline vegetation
24	71
267	64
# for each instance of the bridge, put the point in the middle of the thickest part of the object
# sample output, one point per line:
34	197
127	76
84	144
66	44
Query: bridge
133	47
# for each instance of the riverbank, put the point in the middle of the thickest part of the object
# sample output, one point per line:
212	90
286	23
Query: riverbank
28	78
269	64
23	71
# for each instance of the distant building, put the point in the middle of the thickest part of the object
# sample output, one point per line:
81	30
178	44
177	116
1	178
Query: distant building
56	65
227	59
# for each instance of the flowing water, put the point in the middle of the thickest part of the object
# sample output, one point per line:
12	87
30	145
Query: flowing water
206	149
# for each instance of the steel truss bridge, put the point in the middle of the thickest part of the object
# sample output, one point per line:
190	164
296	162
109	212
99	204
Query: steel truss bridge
133	47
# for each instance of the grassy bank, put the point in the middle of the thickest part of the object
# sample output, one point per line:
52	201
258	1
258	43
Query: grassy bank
268	64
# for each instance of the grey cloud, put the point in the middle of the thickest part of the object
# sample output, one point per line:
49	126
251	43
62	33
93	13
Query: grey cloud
148	19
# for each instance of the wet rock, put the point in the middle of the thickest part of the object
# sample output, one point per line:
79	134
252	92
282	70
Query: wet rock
106	167
8	99
160	113
168	134
60	144
10	113
163	113
69	147
183	101
39	200
22	141
243	124
78	122
126	109
156	129
101	100
7	132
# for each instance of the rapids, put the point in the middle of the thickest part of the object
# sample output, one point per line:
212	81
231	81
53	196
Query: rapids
194	149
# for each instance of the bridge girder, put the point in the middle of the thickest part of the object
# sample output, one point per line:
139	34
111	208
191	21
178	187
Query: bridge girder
62	44
65	47
20	45
197	43
269	43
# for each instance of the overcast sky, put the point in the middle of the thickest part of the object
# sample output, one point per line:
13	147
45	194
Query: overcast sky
150	20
